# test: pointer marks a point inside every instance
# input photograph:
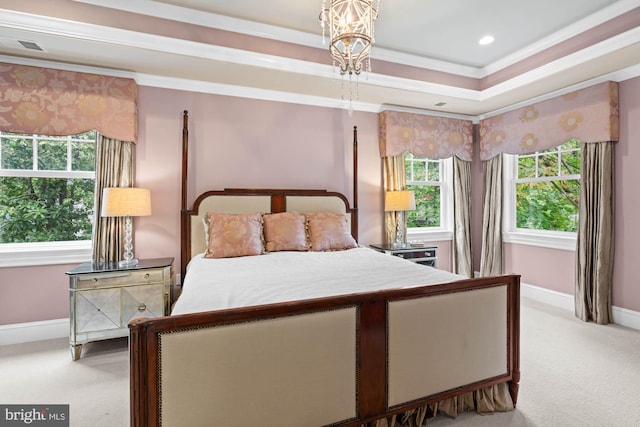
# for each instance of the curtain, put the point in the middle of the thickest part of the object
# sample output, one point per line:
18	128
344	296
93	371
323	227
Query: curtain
589	114
424	135
394	179
462	217
51	102
115	167
491	256
594	252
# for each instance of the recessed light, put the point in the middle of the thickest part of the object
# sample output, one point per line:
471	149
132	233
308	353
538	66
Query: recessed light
486	40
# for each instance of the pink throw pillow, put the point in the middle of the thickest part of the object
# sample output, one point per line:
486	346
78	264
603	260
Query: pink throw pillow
233	235
328	231
285	231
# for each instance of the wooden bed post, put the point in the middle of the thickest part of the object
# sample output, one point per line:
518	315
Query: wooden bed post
184	217
354	217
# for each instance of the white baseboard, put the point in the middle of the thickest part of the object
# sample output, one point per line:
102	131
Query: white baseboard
59	328
34	331
621	316
625	317
547	296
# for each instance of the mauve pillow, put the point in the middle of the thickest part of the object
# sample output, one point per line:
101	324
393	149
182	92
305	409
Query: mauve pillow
328	231
233	235
285	231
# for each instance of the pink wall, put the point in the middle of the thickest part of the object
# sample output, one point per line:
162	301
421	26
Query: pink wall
552	269
229	148
626	276
29	294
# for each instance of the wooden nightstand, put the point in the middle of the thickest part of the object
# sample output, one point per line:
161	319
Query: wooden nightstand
425	255
104	298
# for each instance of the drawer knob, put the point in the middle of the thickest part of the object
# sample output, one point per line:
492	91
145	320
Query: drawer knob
142	307
95	279
146	276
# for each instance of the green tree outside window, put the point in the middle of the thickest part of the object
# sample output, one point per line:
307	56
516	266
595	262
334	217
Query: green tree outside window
46	187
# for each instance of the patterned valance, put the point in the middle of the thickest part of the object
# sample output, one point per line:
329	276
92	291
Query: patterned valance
55	102
590	115
425	136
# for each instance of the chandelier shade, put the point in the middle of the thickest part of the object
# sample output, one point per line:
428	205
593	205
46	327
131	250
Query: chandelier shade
350	24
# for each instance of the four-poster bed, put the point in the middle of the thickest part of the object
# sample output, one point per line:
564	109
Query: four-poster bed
369	337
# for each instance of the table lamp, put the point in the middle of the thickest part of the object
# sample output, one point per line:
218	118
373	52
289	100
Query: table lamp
126	202
399	202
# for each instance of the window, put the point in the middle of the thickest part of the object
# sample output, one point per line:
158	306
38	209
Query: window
542	194
430	180
46	191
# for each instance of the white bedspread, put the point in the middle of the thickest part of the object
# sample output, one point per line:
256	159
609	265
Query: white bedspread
212	284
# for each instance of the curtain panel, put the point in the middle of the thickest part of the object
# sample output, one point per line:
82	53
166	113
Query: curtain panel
590	115
55	102
425	136
491	258
595	244
462	217
115	167
394	179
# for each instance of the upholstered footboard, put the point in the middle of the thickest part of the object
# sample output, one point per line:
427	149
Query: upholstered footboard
346	360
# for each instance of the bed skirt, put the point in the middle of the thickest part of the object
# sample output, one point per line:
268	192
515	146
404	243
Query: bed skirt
488	400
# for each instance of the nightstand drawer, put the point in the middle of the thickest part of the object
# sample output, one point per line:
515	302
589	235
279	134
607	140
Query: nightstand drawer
104	280
142	301
416	253
425	255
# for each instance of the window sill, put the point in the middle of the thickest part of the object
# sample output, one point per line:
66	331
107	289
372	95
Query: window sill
44	253
429	236
551	240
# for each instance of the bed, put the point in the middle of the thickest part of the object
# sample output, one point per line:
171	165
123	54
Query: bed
348	337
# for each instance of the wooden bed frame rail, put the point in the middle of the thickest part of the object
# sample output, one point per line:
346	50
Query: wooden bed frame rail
372	348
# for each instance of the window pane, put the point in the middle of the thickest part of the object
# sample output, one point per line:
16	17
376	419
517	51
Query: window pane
52	155
548	205
548	165
427	213
83	154
89	136
17	153
434	171
45	209
526	167
571	144
570	163
416	169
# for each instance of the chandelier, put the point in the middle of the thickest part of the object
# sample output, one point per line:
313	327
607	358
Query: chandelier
350	25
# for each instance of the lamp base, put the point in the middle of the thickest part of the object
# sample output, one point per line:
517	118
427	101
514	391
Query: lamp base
399	245
128	263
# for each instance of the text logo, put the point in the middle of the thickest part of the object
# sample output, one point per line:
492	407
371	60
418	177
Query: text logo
34	415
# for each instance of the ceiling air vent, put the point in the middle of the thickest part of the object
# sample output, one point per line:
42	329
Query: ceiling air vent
440	104
30	45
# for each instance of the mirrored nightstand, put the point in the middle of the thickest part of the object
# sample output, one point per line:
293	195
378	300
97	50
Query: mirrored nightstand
104	298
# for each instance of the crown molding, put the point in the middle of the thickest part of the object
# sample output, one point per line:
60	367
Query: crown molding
272	32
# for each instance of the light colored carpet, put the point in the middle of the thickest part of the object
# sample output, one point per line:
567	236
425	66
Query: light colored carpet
573	374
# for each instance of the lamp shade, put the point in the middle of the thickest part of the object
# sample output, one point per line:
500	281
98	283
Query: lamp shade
126	201
399	201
